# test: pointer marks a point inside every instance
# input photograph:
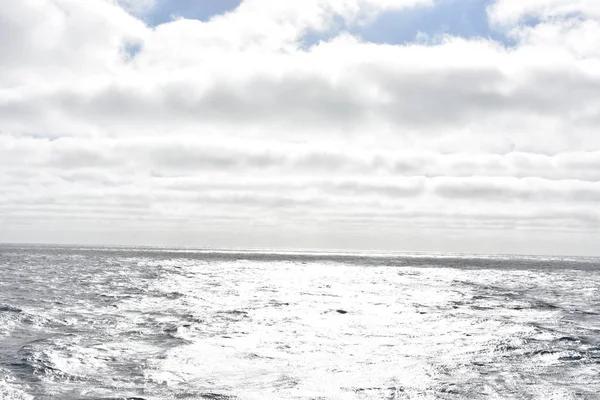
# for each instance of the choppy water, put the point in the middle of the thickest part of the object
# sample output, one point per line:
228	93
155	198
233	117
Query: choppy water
85	323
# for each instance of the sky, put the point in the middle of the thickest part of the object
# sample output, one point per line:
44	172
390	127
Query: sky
400	125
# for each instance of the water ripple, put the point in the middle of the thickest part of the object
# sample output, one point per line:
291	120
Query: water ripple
146	324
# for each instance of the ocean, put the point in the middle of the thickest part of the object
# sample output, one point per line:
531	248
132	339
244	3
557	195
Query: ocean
155	323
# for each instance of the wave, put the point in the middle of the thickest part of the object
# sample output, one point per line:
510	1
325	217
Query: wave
8	392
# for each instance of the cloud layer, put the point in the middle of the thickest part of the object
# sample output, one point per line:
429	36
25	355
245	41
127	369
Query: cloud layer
237	133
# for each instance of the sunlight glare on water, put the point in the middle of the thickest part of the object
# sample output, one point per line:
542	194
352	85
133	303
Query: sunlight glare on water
86	323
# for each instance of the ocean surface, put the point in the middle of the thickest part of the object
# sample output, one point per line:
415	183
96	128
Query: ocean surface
148	323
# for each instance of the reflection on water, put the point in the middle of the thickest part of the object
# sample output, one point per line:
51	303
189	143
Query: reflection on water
156	324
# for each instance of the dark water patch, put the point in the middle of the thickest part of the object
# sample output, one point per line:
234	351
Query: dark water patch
518	307
192	318
449	388
171	329
392	389
113	398
267	289
22	369
117	296
593	354
482	308
504	347
358	390
163	295
174	295
544	305
572	339
542	352
455	304
276	303
185	395
285	381
594	349
576	357
234	312
168	336
255	356
216	396
9	309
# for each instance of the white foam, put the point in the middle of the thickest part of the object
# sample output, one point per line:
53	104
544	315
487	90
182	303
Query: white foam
8	392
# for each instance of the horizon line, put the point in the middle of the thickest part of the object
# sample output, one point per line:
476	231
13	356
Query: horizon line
303	251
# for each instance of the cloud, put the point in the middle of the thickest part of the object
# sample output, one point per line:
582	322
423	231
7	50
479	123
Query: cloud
511	12
232	131
137	6
342	87
50	42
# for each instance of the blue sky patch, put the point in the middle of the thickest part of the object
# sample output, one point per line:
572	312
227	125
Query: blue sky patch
462	18
131	49
203	10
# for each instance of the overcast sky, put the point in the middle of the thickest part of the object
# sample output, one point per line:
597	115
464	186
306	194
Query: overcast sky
417	125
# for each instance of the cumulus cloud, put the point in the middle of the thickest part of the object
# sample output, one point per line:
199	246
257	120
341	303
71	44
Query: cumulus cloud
235	132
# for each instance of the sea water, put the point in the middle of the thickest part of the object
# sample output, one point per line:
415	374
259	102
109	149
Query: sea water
148	323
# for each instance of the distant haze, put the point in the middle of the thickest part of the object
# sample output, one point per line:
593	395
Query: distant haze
302	124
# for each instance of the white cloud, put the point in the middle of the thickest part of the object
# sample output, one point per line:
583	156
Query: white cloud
137	6
510	12
48	42
231	132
